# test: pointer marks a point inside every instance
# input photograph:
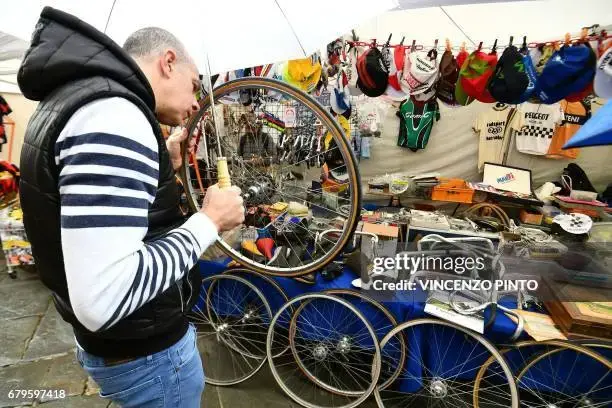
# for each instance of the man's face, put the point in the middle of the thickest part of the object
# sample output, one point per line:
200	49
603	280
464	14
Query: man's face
179	84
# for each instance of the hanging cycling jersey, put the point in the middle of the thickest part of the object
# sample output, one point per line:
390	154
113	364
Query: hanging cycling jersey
416	123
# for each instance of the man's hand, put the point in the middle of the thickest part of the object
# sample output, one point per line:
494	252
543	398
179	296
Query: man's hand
224	207
173	144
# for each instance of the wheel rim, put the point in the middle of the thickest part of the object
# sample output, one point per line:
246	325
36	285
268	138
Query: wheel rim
327	344
587	383
251	176
225	329
381	320
259	280
442	360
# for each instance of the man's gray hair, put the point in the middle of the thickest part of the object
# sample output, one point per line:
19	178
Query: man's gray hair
152	41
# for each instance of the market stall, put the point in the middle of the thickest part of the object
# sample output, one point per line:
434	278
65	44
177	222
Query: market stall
417	230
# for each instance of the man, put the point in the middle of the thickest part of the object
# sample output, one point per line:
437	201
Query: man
101	206
255	143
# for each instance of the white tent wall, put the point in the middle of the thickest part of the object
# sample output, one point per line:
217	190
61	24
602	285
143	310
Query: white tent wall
453	146
453	152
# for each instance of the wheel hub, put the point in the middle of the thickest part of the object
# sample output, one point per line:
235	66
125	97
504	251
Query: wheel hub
438	388
320	352
249	314
222	327
586	403
344	345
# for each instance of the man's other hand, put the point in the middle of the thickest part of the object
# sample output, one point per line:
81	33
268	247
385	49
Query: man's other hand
173	143
224	207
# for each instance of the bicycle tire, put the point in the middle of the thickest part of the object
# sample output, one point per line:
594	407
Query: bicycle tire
341	141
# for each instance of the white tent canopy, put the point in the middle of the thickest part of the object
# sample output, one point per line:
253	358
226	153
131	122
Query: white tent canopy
540	20
11	51
420	20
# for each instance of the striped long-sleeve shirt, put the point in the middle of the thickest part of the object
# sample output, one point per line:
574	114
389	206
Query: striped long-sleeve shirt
108	159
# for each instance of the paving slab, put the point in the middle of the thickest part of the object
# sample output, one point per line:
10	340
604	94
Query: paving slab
259	389
65	375
210	399
14	336
23	298
53	336
27	376
77	402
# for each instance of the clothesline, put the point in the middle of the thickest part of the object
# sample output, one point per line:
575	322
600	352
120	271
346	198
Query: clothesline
374	43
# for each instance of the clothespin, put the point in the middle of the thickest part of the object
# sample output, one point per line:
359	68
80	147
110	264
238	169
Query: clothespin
436	44
448	45
568	38
494	46
510	42
463	46
402	42
413	46
524	47
584	34
388	40
479	46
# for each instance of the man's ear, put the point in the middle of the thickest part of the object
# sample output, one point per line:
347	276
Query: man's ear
168	63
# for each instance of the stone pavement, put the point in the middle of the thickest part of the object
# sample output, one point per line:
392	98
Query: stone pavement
37	352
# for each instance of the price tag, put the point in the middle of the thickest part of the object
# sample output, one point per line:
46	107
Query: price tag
289	117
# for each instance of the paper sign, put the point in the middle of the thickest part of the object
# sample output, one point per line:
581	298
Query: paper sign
438	305
539	326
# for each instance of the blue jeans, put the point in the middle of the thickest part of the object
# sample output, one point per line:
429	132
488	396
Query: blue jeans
172	378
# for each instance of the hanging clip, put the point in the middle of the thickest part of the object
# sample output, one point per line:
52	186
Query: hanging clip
402	42
584	34
510	42
479	46
413	47
524	47
388	40
494	46
436	44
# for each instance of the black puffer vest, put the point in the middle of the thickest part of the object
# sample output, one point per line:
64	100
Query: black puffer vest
68	65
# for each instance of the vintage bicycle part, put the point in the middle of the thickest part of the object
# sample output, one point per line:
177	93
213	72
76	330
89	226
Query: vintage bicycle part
266	175
335	339
381	320
442	360
553	374
273	292
231	319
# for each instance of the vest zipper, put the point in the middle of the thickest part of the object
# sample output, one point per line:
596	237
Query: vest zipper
190	290
178	285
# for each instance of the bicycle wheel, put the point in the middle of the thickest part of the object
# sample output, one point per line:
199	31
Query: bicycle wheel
569	376
334	338
275	295
442	360
380	319
289	173
551	374
231	318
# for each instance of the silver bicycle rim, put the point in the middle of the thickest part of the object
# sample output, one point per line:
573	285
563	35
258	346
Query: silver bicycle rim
435	386
318	391
225	354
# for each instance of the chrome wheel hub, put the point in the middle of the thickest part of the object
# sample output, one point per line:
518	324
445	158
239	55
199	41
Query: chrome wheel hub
438	388
320	352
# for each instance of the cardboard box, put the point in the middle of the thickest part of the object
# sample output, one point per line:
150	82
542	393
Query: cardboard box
387	240
531	217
